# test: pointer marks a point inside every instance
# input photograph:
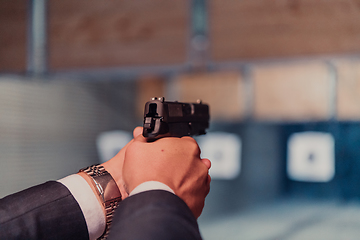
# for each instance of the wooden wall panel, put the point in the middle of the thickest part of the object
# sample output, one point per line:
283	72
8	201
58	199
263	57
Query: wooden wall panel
277	28
294	92
223	91
92	33
13	15
348	94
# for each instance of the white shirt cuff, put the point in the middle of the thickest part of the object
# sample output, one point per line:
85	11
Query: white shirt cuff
151	185
89	204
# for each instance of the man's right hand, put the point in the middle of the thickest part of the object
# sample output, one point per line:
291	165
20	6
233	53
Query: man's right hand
175	162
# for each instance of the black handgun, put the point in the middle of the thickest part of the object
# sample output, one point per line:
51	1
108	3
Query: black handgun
175	119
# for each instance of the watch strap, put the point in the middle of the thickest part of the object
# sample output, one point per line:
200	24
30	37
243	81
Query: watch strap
107	190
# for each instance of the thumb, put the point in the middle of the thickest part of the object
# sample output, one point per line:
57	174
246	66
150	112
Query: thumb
137	131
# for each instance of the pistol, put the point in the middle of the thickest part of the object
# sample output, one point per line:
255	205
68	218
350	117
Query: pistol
174	119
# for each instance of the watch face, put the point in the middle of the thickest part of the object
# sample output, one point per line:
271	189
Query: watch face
104	183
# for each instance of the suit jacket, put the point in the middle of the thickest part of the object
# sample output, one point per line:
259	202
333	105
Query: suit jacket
46	211
49	211
154	215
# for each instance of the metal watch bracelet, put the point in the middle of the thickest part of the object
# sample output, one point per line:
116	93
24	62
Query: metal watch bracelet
108	191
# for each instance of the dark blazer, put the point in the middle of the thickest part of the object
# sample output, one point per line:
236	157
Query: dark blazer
49	211
46	211
154	215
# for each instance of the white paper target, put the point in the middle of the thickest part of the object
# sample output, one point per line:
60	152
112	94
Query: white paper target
311	157
224	152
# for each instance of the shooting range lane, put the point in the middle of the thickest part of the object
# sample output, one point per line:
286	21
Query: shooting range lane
288	220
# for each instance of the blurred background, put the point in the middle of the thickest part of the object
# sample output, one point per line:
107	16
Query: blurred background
282	78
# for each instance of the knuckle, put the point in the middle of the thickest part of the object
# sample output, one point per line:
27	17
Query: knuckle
190	139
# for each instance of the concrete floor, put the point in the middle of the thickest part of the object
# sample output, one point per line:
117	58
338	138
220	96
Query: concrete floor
288	220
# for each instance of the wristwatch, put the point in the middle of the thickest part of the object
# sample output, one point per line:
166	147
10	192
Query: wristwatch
107	190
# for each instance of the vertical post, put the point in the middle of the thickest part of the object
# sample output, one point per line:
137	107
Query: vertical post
199	40
248	92
37	38
333	79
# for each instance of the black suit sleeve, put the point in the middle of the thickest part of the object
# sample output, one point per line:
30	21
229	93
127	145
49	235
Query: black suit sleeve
46	211
154	215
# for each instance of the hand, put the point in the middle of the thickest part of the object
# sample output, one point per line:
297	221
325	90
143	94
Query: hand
173	161
115	165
